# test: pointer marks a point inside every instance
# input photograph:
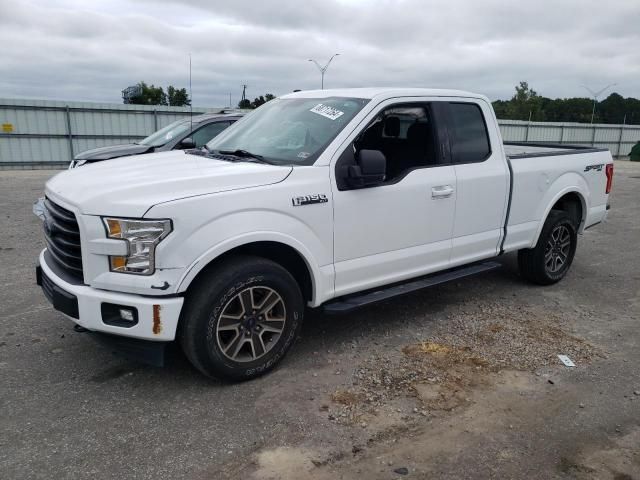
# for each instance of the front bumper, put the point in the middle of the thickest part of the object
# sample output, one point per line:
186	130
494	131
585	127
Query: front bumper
157	317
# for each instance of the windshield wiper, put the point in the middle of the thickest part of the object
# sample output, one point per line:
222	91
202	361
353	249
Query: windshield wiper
245	154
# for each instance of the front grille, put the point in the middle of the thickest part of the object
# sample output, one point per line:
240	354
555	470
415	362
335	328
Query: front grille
62	235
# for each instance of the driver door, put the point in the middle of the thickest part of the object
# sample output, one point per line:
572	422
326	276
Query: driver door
401	228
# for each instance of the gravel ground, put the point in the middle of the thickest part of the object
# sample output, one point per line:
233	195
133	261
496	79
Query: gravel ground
459	381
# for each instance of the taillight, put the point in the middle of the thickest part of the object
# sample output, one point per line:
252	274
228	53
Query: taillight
609	172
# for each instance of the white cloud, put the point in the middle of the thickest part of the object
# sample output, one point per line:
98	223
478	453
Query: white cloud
78	50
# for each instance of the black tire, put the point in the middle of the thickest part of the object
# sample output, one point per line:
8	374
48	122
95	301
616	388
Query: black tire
224	288
535	264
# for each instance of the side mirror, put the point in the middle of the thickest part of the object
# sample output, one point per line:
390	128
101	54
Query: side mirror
370	170
186	144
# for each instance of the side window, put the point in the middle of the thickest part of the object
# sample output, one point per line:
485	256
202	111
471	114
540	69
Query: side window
470	139
405	134
206	133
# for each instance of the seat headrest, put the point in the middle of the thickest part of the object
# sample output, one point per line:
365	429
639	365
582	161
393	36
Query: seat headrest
392	126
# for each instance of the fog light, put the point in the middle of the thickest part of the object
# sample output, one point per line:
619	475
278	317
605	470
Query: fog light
124	316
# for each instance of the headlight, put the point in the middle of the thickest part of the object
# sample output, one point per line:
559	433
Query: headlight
141	236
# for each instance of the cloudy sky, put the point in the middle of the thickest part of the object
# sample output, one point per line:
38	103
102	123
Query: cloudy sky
90	50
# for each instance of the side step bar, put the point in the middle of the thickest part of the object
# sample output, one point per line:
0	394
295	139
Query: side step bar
351	302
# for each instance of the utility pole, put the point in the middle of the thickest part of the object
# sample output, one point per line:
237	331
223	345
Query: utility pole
595	96
244	91
190	99
323	69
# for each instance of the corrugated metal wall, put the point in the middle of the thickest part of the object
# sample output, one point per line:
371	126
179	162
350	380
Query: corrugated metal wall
619	139
44	133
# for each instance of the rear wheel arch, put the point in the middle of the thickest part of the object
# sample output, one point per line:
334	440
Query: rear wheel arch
573	202
574	205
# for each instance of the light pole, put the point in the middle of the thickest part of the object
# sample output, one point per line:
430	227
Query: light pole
595	96
323	69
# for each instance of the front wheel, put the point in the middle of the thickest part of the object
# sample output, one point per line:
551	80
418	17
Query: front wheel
549	261
241	318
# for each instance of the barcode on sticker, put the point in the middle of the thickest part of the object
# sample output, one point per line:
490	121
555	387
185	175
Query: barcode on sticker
566	360
327	111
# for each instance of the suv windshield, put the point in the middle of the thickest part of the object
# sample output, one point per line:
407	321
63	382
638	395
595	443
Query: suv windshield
165	134
292	131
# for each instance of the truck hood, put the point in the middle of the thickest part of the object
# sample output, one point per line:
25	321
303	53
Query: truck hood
113	151
128	187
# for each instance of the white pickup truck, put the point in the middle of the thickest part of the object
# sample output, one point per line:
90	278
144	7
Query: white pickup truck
333	199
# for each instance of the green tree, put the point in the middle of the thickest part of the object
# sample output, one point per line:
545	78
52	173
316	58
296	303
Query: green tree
612	109
178	97
261	100
152	95
149	95
258	101
525	104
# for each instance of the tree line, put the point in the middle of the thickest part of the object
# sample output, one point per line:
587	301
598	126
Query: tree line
178	97
526	104
152	95
246	103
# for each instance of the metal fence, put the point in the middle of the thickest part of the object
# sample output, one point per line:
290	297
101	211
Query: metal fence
47	134
619	139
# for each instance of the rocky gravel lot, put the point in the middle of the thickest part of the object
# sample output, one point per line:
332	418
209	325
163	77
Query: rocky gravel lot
459	381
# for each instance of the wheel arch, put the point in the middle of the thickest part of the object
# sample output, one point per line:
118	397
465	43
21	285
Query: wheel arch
281	250
571	199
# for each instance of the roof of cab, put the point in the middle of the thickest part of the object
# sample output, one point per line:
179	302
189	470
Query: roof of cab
383	92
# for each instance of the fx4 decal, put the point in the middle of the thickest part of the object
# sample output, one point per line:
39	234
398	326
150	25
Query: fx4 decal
309	199
597	168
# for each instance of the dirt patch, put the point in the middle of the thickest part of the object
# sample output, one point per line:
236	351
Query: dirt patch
490	364
417	448
438	373
345	397
620	461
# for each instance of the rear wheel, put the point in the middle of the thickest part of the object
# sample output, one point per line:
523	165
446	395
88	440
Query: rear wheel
241	318
549	261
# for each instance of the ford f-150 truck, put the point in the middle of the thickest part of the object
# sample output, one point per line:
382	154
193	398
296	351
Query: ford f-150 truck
332	199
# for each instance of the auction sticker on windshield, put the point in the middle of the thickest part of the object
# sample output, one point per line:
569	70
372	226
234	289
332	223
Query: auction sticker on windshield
327	111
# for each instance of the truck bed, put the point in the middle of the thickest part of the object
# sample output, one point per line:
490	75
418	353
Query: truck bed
515	150
538	177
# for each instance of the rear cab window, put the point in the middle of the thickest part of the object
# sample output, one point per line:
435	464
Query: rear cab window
468	132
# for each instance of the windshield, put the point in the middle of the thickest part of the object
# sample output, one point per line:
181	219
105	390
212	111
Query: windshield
167	133
292	131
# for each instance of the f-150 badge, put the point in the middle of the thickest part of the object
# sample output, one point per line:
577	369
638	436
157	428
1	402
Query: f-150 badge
309	199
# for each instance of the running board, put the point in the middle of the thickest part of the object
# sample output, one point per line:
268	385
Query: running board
357	300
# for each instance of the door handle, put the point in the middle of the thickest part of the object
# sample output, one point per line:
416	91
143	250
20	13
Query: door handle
442	191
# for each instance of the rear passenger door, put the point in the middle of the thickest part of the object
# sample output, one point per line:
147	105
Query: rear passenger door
482	181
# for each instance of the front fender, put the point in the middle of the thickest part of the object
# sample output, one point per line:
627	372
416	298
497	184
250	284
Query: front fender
228	232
